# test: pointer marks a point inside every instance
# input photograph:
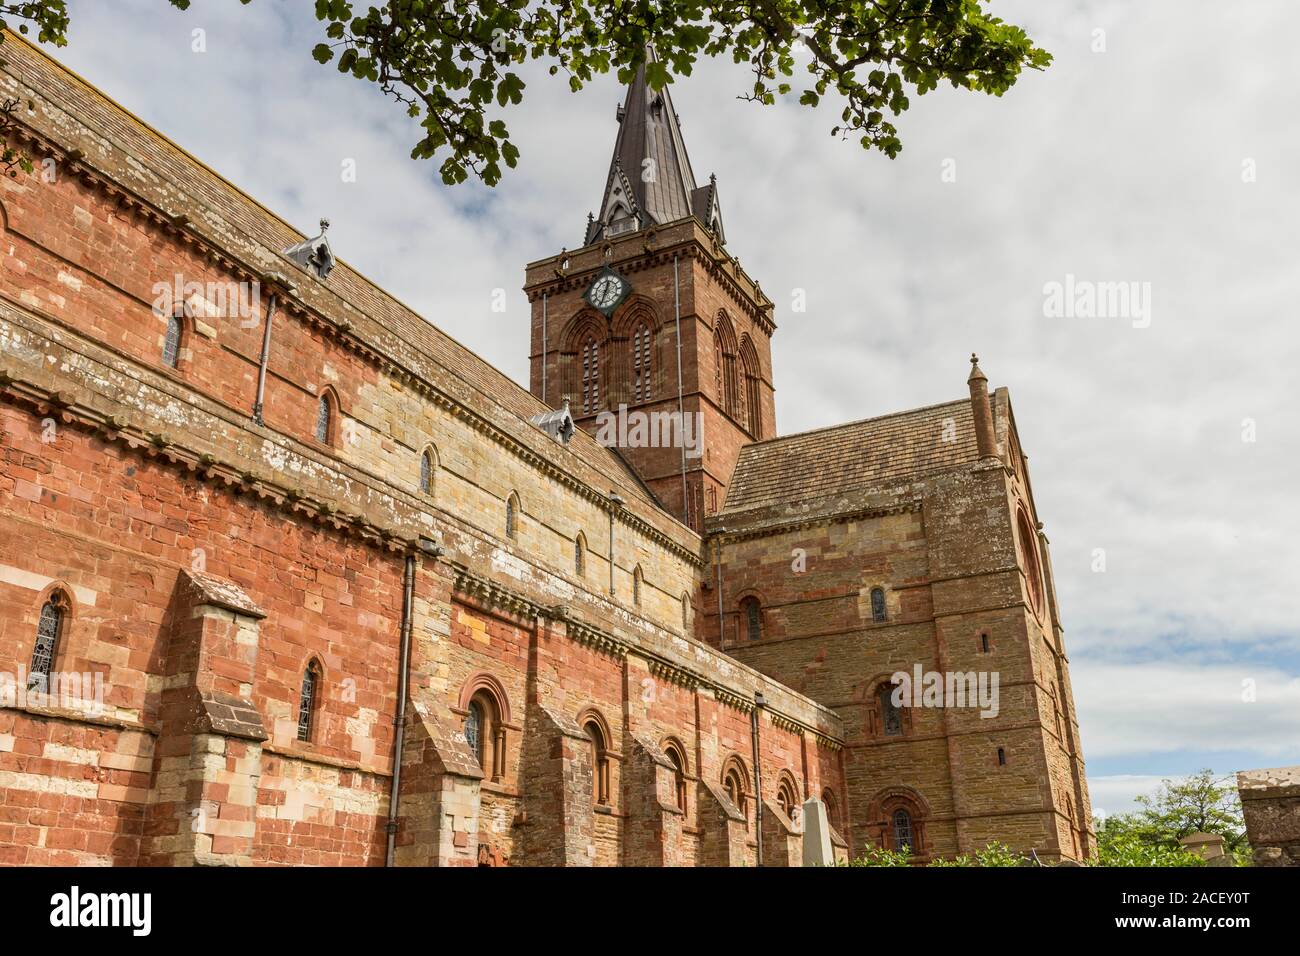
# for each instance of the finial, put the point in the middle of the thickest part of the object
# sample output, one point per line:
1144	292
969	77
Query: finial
324	226
975	374
974	359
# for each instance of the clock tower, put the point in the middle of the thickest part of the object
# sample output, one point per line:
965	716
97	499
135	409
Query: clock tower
651	329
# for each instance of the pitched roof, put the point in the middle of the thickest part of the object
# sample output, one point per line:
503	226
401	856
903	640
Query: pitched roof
71	111
852	460
650	177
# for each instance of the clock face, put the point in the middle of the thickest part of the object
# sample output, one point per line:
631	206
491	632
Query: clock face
607	292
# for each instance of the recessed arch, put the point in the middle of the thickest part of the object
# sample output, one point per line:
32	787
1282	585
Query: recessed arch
787	795
675	751
580	555
311	690
428	469
1027	540
594	725
513	513
329	412
751	408
735	781
53	623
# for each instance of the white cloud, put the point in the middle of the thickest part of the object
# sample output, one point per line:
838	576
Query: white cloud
1123	165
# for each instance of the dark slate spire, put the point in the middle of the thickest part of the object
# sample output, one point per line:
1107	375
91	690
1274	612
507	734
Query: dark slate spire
650	178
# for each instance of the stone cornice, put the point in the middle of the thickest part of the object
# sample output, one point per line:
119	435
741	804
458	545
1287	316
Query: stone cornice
728	533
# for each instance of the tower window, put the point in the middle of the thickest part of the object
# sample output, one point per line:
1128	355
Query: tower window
878	614
48	631
753	618
891	717
171	354
590	376
579	556
1002	757
984	643
636	586
641	363
307	700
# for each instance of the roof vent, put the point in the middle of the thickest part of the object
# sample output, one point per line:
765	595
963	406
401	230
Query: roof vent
314	255
558	424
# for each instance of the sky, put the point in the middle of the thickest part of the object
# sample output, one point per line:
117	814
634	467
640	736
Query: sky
1155	152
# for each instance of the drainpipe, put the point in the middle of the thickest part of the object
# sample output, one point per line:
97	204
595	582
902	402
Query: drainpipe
545	348
681	407
759	703
265	359
403	677
722	620
615	502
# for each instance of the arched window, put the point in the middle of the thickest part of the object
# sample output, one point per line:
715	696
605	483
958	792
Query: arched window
891	717
307	700
324	420
474	721
579	554
48	631
901	827
752	410
1029	557
641	363
590	354
832	808
428	466
673	751
878	605
686	612
718	362
485	732
753	617
735	783
599	763
512	515
171	354
636	586
787	799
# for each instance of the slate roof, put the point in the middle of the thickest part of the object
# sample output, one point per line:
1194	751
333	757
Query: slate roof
853	459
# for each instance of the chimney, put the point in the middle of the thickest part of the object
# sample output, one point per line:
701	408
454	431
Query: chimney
981	410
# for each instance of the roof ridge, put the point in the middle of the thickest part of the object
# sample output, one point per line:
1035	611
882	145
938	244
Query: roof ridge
860	421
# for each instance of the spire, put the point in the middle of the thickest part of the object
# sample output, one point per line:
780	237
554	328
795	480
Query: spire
650	179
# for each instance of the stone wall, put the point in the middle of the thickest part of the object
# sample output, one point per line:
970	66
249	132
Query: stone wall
1270	803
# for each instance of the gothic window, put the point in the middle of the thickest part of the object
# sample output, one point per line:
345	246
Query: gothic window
751	411
324	420
590	354
428	464
307	700
717	366
752	614
641	363
675	755
901	824
891	716
878	605
579	554
512	515
636	586
48	631
171	354
599	763
686	612
1029	556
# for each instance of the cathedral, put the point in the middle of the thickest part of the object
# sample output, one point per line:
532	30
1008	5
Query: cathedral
289	577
